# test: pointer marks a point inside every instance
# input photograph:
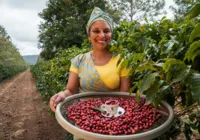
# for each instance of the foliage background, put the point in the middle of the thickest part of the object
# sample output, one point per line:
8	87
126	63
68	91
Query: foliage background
163	57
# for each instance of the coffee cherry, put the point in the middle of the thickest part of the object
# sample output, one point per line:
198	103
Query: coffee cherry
104	112
136	118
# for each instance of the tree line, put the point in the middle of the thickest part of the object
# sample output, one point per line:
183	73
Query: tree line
11	62
65	20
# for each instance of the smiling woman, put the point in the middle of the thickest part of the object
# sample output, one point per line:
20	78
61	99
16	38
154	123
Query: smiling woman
97	70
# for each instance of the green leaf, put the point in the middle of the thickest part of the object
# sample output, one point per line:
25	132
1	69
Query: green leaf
162	41
124	64
178	49
113	48
138	96
163	88
152	93
169	45
134	59
176	70
189	100
137	57
132	89
193	51
147	81
195	11
180	73
148	65
195	87
158	64
195	32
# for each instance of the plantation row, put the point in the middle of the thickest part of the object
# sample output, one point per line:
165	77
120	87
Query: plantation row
10	71
11	62
52	76
164	58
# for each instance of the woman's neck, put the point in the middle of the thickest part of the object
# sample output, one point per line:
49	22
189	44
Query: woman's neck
101	54
101	58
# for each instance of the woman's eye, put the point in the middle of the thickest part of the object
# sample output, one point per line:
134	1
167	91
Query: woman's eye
106	31
96	31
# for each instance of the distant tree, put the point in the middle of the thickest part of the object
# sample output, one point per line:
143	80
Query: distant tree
143	8
11	62
64	23
9	54
182	8
3	33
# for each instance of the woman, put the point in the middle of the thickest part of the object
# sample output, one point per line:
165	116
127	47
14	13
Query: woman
96	70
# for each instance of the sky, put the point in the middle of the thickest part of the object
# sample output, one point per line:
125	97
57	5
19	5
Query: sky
21	21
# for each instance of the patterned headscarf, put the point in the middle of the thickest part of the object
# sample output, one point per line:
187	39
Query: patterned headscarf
98	14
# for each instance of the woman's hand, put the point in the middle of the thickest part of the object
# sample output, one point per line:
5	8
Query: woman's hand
72	88
57	98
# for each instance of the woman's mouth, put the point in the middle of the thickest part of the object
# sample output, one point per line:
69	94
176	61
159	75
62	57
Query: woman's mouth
101	41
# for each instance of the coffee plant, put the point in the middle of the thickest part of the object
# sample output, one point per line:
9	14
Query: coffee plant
52	76
164	62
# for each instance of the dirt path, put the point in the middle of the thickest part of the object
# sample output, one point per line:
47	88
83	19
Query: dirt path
23	114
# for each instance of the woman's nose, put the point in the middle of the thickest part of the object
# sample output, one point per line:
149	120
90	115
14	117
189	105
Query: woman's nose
102	34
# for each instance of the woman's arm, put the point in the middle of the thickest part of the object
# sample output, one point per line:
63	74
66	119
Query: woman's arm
73	83
71	88
124	84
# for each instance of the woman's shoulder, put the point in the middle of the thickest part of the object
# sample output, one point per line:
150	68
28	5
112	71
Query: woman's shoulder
81	57
117	58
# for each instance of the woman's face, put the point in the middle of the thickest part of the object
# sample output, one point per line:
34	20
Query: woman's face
100	34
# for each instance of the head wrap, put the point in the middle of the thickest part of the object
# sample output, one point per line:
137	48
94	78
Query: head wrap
98	14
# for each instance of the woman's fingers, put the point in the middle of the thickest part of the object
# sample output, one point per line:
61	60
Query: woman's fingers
59	99
52	103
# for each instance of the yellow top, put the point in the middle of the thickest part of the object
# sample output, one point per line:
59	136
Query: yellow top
109	73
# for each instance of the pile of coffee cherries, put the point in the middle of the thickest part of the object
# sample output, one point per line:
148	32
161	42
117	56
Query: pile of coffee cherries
137	117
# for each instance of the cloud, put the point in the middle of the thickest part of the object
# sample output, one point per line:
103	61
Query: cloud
20	19
27	48
24	4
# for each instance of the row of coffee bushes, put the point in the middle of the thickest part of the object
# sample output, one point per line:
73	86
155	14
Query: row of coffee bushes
8	71
52	75
161	56
11	62
164	58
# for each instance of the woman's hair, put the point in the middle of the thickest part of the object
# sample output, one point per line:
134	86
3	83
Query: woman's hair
98	14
